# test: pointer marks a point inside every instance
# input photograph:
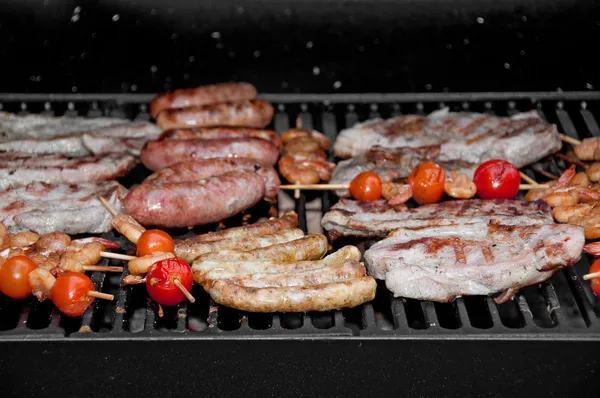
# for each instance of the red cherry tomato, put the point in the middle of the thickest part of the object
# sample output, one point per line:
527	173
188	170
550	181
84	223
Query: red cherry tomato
160	281
497	179
69	293
154	240
14	276
366	187
427	182
595	283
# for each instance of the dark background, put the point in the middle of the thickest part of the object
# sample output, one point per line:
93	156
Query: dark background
299	46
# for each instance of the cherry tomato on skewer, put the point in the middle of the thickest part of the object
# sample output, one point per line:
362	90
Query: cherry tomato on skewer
14	276
595	283
154	240
70	293
366	187
497	179
427	182
161	277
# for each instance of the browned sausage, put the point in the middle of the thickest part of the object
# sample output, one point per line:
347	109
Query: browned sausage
327	297
159	154
217	133
202	95
248	113
289	220
189	251
194	203
204	168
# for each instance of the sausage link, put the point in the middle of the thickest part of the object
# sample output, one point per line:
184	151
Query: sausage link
217	133
327	297
202	95
159	154
248	113
194	203
205	168
189	251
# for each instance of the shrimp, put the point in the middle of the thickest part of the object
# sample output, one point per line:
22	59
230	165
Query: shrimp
565	178
593	172
305	144
41	281
580	180
590	224
562	214
592	248
305	169
3	230
75	257
556	199
459	186
396	193
133	280
23	239
140	265
589	149
108	244
293	134
52	242
128	227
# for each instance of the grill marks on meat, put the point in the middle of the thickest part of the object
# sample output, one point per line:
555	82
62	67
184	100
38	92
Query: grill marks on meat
123	138
18	169
72	209
442	263
217	133
377	219
521	139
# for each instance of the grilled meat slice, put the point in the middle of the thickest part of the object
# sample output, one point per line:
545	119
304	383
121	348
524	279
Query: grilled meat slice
122	138
18	169
67	145
377	219
394	164
442	263
73	209
44	127
472	137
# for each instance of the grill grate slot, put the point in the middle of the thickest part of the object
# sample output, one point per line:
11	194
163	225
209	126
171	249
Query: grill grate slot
564	305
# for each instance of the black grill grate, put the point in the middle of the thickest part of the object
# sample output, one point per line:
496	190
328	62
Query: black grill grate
562	308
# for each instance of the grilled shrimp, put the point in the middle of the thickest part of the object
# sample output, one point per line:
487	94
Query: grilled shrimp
556	199
590	223
396	193
593	172
580	180
592	248
41	281
305	144
459	186
305	168
75	257
589	149
563	214
128	227
140	265
23	239
52	242
292	134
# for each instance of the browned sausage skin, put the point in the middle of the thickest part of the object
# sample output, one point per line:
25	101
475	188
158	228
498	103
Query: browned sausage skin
216	133
249	113
202	95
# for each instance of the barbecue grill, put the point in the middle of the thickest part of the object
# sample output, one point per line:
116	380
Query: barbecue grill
544	342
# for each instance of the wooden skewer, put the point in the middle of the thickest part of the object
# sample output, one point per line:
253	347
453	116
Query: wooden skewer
103	296
117	256
571	160
545	173
185	292
569	140
591	276
527	179
298	126
102	268
107	205
309	187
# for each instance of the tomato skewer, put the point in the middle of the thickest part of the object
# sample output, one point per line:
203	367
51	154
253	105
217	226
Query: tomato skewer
427	181
14	277
366	187
169	281
497	179
74	292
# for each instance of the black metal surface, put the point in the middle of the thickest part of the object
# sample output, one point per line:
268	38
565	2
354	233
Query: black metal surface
299	45
545	340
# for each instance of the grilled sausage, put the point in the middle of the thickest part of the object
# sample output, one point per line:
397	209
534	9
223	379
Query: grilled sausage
326	297
194	203
159	154
189	250
345	254
202	95
204	168
218	133
310	247
248	113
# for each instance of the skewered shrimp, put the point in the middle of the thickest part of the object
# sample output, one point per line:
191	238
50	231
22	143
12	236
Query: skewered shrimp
556	199
580	180
292	134
133	280
459	186
41	281
592	248
140	265
304	144
52	242
563	214
23	239
593	172
75	257
128	227
589	149
590	223
305	168
396	193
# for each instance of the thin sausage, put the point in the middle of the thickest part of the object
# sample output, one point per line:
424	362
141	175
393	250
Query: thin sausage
159	154
194	203
202	95
217	133
327	297
188	251
249	113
